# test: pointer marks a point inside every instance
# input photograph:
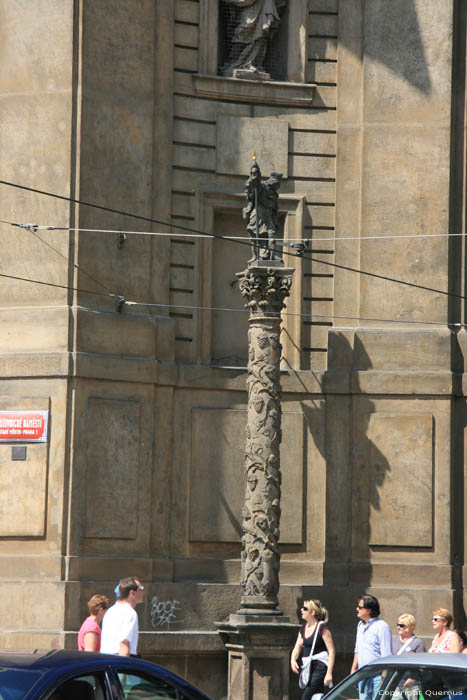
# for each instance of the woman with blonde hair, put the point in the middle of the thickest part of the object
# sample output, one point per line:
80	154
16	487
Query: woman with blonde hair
315	643
445	641
89	635
406	642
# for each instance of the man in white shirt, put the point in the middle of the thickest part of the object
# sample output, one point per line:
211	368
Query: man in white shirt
120	623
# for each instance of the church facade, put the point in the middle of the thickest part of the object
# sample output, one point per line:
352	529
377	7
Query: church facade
127	132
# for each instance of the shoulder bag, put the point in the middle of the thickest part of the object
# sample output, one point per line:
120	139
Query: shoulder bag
306	662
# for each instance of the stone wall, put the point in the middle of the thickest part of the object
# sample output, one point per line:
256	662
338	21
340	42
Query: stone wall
143	472
217	124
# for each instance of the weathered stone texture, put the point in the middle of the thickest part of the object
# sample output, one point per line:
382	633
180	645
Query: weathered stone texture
119	105
405	488
216	511
238	137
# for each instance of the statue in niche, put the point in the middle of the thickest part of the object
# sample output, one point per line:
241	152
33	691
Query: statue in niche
257	22
260	213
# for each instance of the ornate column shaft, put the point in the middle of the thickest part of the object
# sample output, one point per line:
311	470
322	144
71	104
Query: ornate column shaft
264	286
258	637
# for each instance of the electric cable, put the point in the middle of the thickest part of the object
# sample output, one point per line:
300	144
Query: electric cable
240	242
226	309
327	239
75	265
292	313
60	286
33	228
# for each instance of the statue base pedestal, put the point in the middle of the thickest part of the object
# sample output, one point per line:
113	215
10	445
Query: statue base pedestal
245	74
259	649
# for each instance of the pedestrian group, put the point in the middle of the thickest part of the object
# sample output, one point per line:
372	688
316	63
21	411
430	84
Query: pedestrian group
374	640
314	643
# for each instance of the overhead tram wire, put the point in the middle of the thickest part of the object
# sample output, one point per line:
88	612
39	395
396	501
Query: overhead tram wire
226	309
235	240
59	286
292	313
315	239
32	228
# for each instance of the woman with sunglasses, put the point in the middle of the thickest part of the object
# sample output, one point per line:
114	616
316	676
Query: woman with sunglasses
406	642
445	641
89	635
315	643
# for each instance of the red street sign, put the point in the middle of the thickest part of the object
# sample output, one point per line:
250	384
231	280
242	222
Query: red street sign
23	426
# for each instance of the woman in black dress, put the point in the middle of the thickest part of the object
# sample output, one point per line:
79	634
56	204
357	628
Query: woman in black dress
314	635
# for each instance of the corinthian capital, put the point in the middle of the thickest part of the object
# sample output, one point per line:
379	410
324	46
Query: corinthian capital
265	288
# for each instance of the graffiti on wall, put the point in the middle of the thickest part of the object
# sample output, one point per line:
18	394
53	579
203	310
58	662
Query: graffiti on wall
164	612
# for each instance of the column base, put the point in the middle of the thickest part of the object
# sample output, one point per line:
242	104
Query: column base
259	649
242	617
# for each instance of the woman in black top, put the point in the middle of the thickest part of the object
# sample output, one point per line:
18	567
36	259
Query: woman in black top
315	631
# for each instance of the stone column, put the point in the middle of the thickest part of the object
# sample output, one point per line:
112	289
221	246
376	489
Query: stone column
258	637
264	286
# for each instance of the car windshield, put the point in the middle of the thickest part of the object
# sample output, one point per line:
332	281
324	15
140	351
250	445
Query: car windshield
403	683
15	683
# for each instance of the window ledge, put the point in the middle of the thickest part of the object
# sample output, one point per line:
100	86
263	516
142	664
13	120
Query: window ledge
257	91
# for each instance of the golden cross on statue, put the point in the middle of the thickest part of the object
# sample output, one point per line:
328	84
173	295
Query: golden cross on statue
253	155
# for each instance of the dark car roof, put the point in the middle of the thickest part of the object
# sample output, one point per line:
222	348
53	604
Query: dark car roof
446	660
52	658
62	661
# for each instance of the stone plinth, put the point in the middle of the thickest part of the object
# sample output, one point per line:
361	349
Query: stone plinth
259	654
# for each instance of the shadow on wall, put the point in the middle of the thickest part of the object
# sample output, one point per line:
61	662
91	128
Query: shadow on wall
356	471
370	498
392	37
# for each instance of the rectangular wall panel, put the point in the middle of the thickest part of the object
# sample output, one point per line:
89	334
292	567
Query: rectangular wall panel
112	468
22	492
217	484
23	482
401	480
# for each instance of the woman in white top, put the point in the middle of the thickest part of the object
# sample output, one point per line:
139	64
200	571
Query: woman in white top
445	641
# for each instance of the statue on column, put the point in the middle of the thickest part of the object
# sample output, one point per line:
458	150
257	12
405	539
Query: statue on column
260	213
258	21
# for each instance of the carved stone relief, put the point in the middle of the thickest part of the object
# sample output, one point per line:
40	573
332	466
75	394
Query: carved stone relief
265	290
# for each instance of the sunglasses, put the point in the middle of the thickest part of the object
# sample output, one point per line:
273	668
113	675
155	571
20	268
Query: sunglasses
436	619
360	607
303	608
399	624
